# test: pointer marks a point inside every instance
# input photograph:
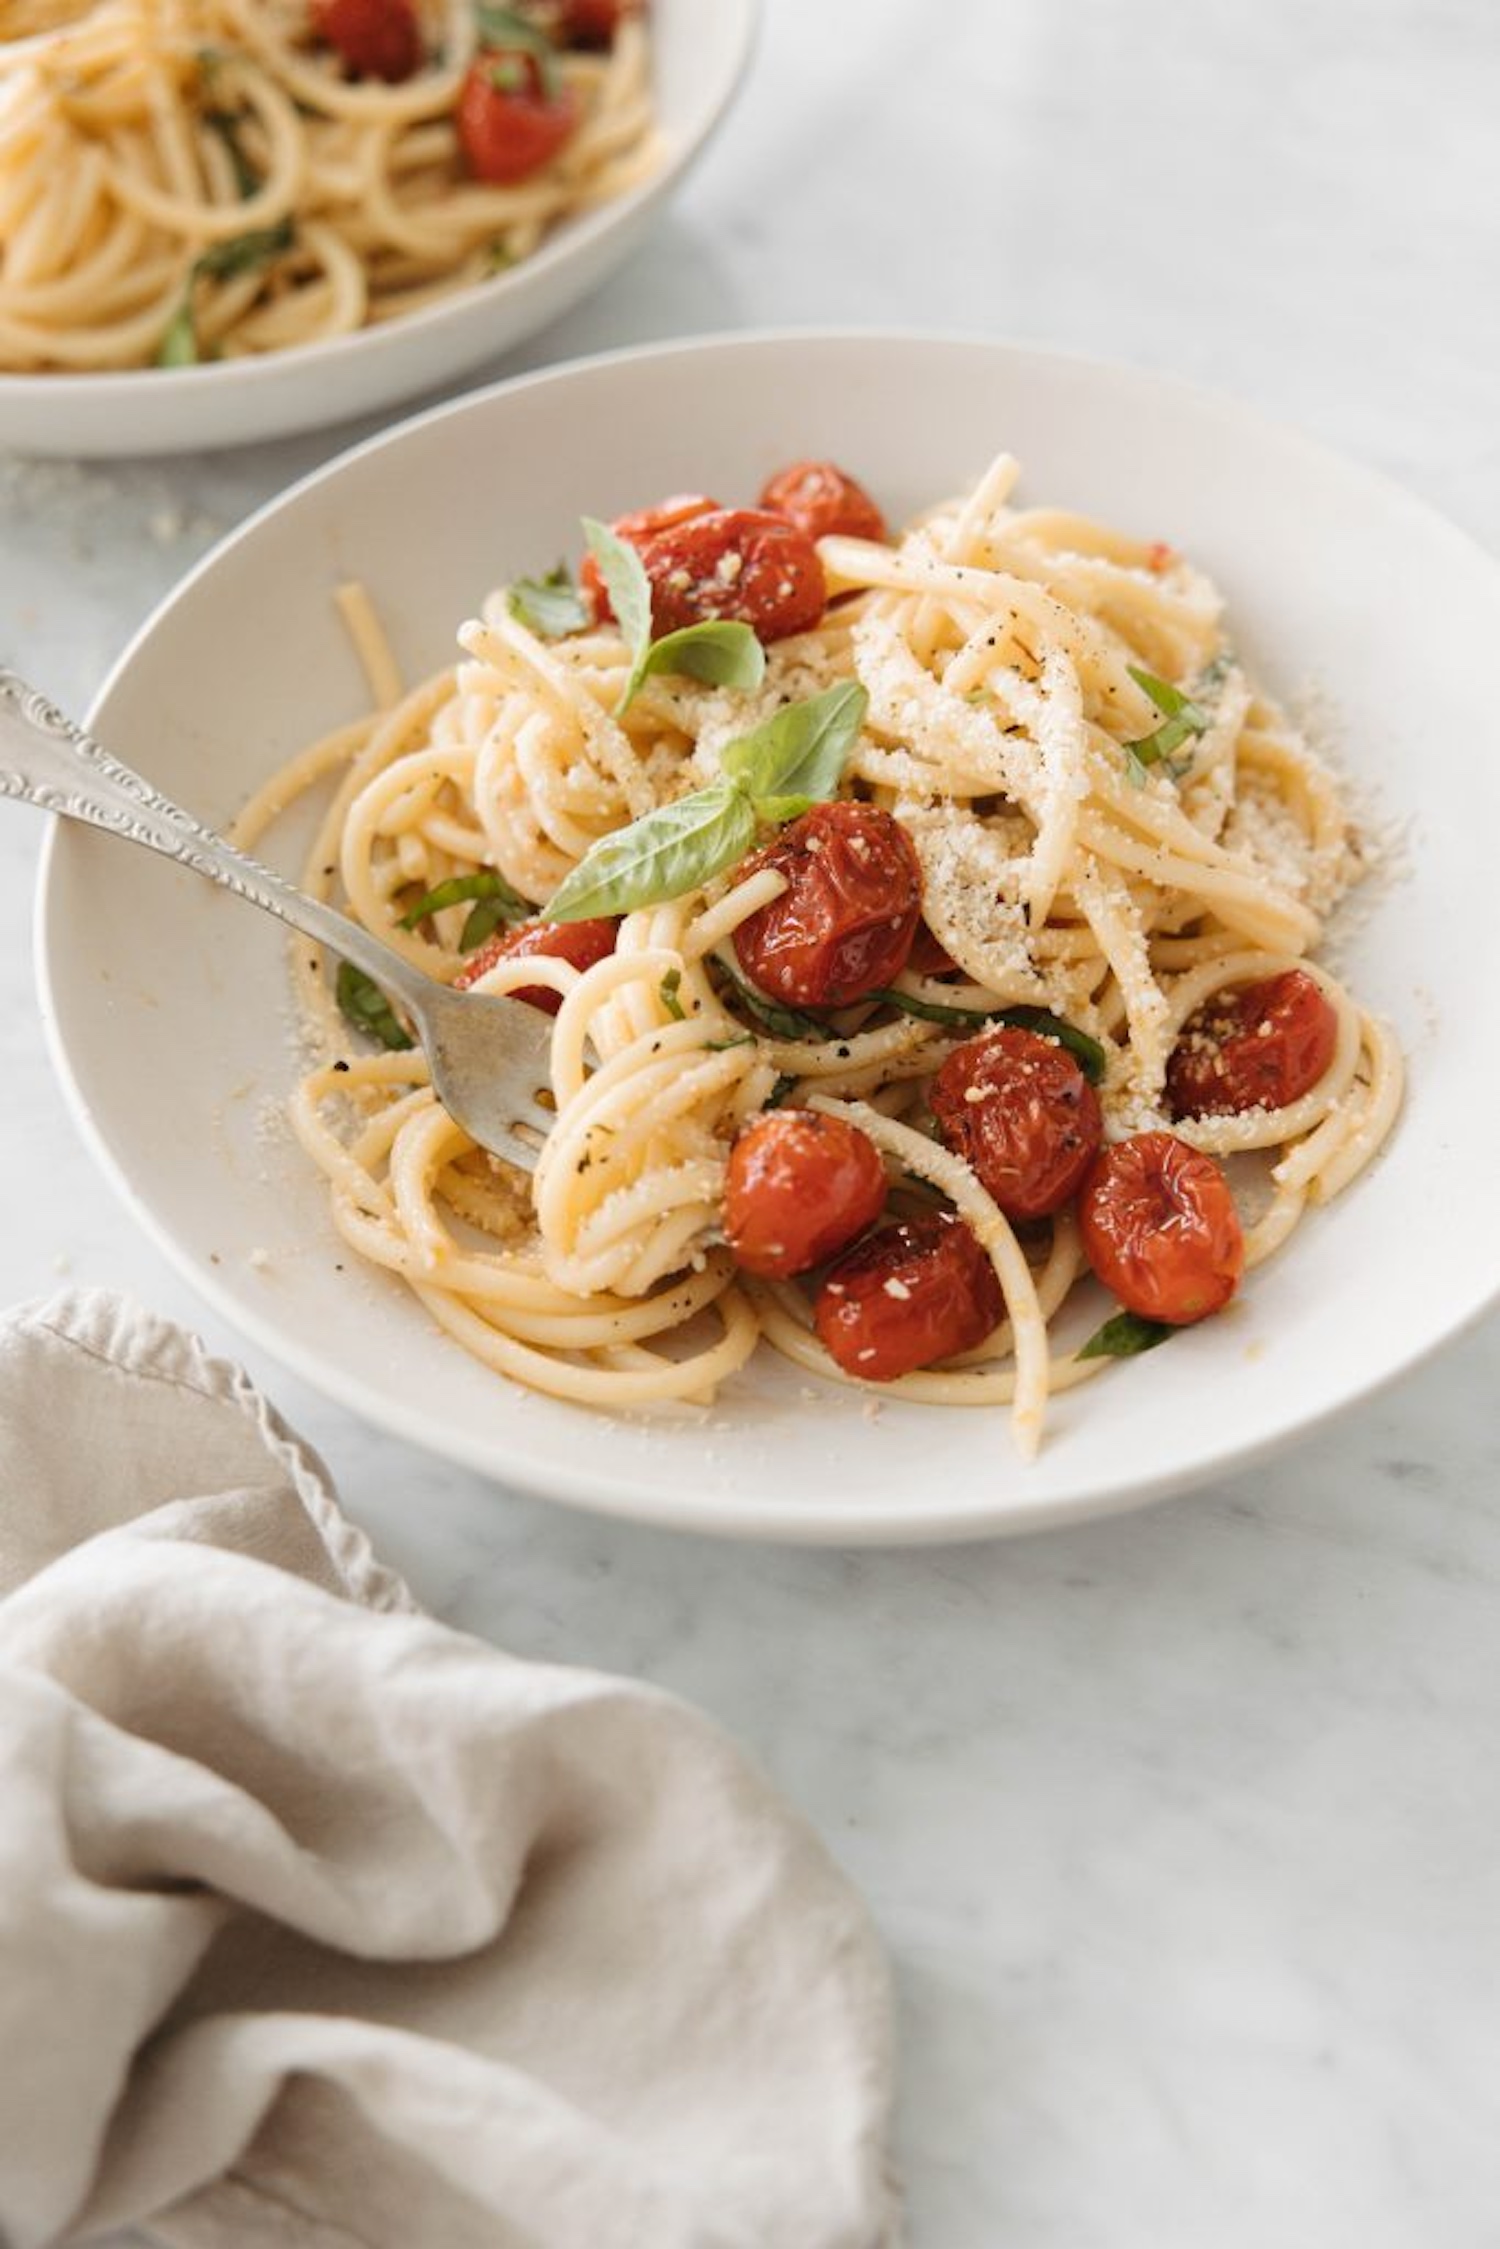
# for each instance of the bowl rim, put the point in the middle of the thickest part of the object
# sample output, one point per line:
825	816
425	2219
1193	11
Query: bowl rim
635	1497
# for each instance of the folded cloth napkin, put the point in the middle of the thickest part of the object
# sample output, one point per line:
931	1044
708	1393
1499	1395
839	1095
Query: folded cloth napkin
321	1924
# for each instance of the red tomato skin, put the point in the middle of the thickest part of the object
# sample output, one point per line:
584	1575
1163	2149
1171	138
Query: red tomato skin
507	133
845	922
823	501
799	1187
1260	1047
739	563
584	943
906	1296
929	956
635	530
1160	1228
374	38
592	23
1023	1116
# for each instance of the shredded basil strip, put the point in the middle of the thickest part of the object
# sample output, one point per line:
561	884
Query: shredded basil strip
226	123
221	261
502	27
781	1022
722	1046
551	606
778	1093
721	650
1125	1336
669	988
1087	1052
486	884
362	1003
1183	720
482	921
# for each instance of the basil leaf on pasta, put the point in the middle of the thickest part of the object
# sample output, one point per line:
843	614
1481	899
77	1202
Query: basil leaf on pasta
221	261
485	885
720	651
781	1022
1183	721
627	585
503	28
677	848
801	752
550	606
362	1003
242	253
179	346
1125	1336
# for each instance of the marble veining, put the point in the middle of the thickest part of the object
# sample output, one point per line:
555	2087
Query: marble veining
1180	1827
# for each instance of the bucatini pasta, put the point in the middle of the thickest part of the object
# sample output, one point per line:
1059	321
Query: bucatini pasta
928	922
193	179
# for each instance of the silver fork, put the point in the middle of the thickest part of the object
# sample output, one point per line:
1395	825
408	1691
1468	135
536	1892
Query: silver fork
488	1056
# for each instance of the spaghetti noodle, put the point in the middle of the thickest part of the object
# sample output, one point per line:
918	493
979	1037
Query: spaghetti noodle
1077	857
187	179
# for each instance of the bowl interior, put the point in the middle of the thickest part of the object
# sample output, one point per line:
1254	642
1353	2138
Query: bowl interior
170	1000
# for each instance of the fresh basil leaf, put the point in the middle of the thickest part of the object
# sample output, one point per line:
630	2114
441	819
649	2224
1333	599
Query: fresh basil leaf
179	345
781	1022
221	261
665	853
801	752
502	27
485	884
226	123
1087	1052
1125	1336
720	651
776	811
626	583
481	922
551	606
778	1093
722	1046
669	988
933	1011
362	1003
1184	719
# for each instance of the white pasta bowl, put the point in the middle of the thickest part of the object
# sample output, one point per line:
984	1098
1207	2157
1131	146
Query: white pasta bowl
699	56
168	1002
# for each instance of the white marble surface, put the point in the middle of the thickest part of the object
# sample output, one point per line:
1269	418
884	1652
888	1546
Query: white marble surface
1181	1828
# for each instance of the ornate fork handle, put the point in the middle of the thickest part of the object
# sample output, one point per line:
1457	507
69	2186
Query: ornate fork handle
48	761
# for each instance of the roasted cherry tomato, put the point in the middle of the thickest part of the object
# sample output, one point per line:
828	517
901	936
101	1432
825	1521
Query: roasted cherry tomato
581	942
1019	1110
1260	1047
929	956
635	530
590	23
844	924
373	38
1160	1228
800	1186
735	562
905	1296
821	500
509	126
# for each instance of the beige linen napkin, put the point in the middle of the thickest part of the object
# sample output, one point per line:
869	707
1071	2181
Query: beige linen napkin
323	1925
